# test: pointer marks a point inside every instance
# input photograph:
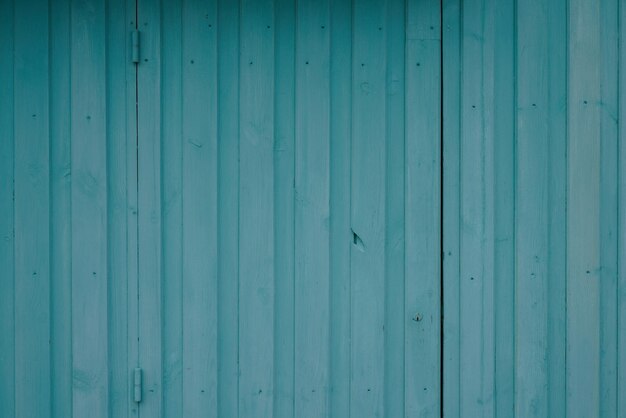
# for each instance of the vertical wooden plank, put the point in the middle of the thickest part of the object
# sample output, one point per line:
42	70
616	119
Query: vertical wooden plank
621	285
608	28
228	200
172	210
32	210
200	149
476	282
89	210
621	343
609	208
312	212
149	207
472	192
531	211
60	212
394	373
132	229
504	211
583	213
121	131
422	147
451	96
7	219
284	211
557	195
368	209
487	96
256	209
340	239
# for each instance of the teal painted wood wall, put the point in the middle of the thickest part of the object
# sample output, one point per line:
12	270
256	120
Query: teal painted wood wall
290	154
534	185
67	209
251	215
243	212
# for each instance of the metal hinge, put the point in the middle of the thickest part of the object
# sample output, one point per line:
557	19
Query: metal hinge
137	385
134	37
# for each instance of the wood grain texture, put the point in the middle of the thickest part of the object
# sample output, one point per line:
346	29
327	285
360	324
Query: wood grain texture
557	195
312	210
132	228
609	208
199	194
306	156
170	56
121	213
284	206
60	212
531	212
583	211
259	228
422	210
31	216
621	233
149	201
476	212
89	211
397	139
228	203
340	240
250	215
368	209
7	210
452	14
256	209
504	210
550	207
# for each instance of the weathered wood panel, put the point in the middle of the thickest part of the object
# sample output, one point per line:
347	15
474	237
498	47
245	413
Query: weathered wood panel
31	208
251	215
312	210
340	163
171	166
621	232
199	143
318	279
422	210
149	219
284	207
270	245
7	210
257	258
60	210
68	106
228	201
367	209
531	205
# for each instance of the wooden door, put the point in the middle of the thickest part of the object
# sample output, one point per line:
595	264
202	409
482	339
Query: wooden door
289	208
68	327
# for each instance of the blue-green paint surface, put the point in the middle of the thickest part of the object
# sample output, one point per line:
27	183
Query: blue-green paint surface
252	214
533	209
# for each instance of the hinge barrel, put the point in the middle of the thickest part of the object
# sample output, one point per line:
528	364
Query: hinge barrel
135	46
137	385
